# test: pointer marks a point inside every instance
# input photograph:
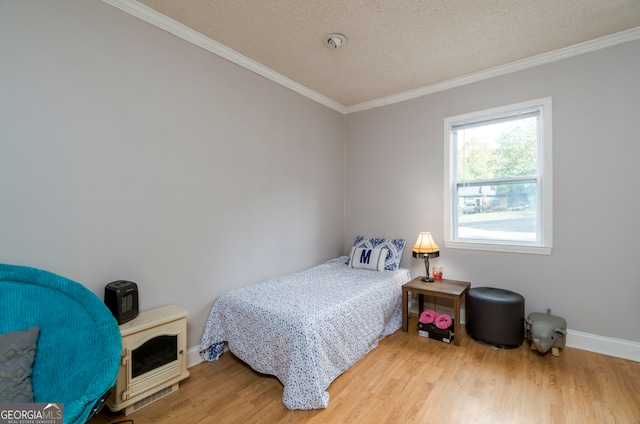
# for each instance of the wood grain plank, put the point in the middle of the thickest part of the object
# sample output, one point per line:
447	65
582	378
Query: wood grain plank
410	379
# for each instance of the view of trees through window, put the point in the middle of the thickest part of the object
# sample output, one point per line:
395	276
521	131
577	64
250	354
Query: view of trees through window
497	174
501	150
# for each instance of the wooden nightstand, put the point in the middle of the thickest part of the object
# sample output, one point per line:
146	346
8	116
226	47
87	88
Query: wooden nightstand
447	289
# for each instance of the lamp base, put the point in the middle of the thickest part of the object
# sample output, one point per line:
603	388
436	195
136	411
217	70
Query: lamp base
427	280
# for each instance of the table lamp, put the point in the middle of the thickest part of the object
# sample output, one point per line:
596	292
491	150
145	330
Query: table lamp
426	248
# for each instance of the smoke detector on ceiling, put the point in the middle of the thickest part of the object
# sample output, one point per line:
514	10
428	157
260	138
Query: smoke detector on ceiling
334	41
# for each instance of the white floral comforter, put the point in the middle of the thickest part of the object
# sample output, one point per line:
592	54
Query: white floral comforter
307	328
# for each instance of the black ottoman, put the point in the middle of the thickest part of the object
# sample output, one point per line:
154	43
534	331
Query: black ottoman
495	317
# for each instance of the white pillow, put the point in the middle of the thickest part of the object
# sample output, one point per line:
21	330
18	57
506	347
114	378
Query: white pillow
395	246
365	258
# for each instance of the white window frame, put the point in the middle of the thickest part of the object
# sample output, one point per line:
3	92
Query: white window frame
545	179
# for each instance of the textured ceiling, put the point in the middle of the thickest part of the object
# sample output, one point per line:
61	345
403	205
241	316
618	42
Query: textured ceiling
394	46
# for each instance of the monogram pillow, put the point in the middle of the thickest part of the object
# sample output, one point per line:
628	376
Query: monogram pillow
394	249
373	259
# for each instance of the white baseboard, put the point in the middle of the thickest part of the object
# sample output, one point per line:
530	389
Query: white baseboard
618	348
193	356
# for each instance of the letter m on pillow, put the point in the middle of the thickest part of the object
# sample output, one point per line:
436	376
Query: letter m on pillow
365	256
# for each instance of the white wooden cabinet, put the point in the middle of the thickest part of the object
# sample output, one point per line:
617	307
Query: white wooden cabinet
153	360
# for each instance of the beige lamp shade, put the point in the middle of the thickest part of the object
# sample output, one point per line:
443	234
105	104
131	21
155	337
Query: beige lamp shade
425	244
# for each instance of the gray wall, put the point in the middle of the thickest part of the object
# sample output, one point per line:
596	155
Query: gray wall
128	153
592	277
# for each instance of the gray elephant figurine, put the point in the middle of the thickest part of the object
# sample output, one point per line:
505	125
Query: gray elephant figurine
546	332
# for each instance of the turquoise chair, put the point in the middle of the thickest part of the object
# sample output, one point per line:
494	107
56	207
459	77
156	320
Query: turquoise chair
78	350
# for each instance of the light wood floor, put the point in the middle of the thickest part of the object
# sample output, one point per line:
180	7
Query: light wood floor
410	379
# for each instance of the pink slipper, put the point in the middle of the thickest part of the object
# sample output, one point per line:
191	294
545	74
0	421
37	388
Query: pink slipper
428	316
443	321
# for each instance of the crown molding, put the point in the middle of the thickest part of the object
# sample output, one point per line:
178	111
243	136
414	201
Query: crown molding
541	59
155	18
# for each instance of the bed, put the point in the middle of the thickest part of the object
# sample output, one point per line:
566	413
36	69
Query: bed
309	327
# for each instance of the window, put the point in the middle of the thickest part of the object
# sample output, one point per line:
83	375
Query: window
498	179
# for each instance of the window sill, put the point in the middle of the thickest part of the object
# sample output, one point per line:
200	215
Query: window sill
499	247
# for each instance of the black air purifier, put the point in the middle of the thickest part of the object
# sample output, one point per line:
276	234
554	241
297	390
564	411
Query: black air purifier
121	297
